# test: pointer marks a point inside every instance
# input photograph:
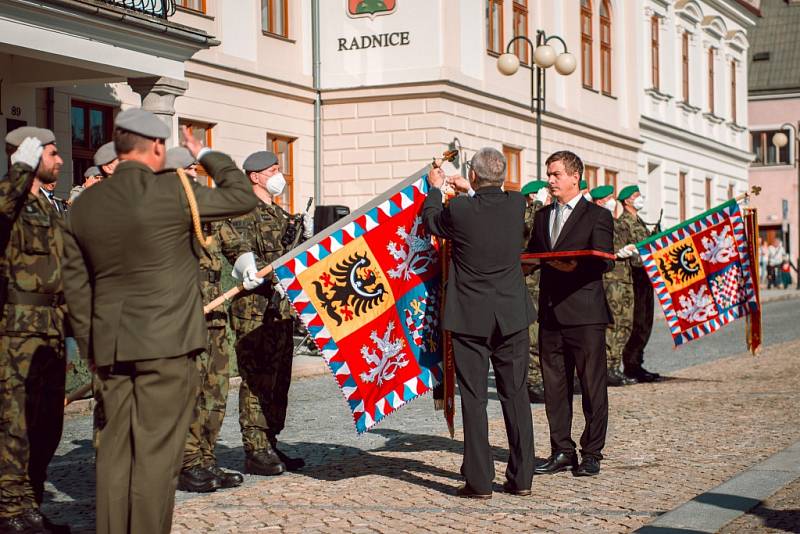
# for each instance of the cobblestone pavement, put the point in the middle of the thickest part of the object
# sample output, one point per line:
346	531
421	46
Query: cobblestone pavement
779	513
667	443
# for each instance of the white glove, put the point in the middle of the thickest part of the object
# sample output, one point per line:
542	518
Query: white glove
28	152
244	263
308	225
628	251
541	195
250	280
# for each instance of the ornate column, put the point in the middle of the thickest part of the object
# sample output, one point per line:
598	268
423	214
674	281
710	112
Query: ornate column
158	96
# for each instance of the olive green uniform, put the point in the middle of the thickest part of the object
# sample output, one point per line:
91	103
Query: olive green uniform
262	322
213	364
643	299
619	295
32	358
532	281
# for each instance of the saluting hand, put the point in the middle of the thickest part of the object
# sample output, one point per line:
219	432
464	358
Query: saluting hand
190	142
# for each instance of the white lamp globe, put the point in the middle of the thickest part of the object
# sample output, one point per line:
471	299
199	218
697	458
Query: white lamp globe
508	64
780	140
544	56
565	63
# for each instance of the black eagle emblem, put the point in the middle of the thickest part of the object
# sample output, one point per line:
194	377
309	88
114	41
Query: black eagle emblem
349	289
680	265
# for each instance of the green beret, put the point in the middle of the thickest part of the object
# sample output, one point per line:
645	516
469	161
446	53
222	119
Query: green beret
92	171
178	157
16	137
105	154
583	185
258	161
626	192
531	188
601	191
141	122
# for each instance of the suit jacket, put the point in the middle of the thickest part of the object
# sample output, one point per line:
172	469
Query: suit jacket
131	275
486	286
575	298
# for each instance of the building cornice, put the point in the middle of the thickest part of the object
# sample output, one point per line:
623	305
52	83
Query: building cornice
740	13
793	92
694	140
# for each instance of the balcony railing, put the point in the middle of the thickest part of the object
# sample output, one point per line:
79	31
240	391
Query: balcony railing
156	8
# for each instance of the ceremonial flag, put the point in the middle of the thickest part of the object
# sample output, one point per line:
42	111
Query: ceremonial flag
702	272
368	290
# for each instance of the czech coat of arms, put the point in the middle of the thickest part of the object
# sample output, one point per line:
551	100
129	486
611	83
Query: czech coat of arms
370	8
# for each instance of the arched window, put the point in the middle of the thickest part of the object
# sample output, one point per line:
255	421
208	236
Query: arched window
605	47
586	43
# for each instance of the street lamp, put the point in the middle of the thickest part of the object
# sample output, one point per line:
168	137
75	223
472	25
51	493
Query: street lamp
544	56
780	140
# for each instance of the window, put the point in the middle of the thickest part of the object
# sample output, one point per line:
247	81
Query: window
711	80
513	168
202	132
194	5
275	17
590	175
611	179
733	91
605	47
685	65
655	78
92	125
521	28
709	192
283	147
586	44
765	150
681	196
494	26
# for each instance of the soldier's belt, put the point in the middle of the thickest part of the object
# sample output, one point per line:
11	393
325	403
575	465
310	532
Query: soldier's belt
32	298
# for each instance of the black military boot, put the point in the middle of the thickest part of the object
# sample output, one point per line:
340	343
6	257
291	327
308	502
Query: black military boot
292	464
198	480
17	524
616	379
227	479
535	393
264	462
38	522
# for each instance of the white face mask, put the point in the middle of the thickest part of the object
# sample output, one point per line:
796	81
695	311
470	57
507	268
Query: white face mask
276	184
638	203
610	205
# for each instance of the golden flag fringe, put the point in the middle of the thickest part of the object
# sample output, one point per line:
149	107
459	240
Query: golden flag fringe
754	332
444	394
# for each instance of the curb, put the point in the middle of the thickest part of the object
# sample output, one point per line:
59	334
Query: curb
779	298
712	510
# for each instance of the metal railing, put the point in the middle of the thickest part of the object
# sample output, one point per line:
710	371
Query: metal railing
156	8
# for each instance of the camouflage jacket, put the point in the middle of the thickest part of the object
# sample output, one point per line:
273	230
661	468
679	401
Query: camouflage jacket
530	211
622	268
225	242
636	231
32	240
261	231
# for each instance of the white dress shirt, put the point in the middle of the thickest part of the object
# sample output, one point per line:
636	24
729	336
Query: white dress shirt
566	211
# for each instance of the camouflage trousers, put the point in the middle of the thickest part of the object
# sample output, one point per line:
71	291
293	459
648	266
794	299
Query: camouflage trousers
32	374
643	302
534	365
264	351
212	396
619	295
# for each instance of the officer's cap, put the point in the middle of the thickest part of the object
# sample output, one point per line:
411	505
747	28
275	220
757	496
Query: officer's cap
531	188
142	123
179	157
92	171
16	137
602	191
259	161
627	192
105	154
583	185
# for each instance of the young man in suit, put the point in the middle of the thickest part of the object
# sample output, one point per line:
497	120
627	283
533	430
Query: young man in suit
573	315
488	310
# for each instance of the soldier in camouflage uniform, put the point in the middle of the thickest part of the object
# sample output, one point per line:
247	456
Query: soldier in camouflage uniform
619	292
537	197
262	321
32	328
633	354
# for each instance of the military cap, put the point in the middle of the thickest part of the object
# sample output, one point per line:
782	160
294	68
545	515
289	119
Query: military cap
531	188
142	123
602	191
179	157
92	171
16	137
105	154
627	192
583	185
258	161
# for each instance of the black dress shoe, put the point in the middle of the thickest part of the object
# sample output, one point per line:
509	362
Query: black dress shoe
557	463
198	480
641	375
468	493
292	464
227	479
265	463
617	379
536	393
508	487
17	524
589	467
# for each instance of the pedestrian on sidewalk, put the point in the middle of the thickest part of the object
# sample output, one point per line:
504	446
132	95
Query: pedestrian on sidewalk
763	261
786	272
775	259
487	310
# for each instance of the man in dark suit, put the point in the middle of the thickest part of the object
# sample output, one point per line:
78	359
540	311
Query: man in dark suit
131	280
487	310
573	315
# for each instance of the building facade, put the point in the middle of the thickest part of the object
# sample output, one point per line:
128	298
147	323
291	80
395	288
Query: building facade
398	81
